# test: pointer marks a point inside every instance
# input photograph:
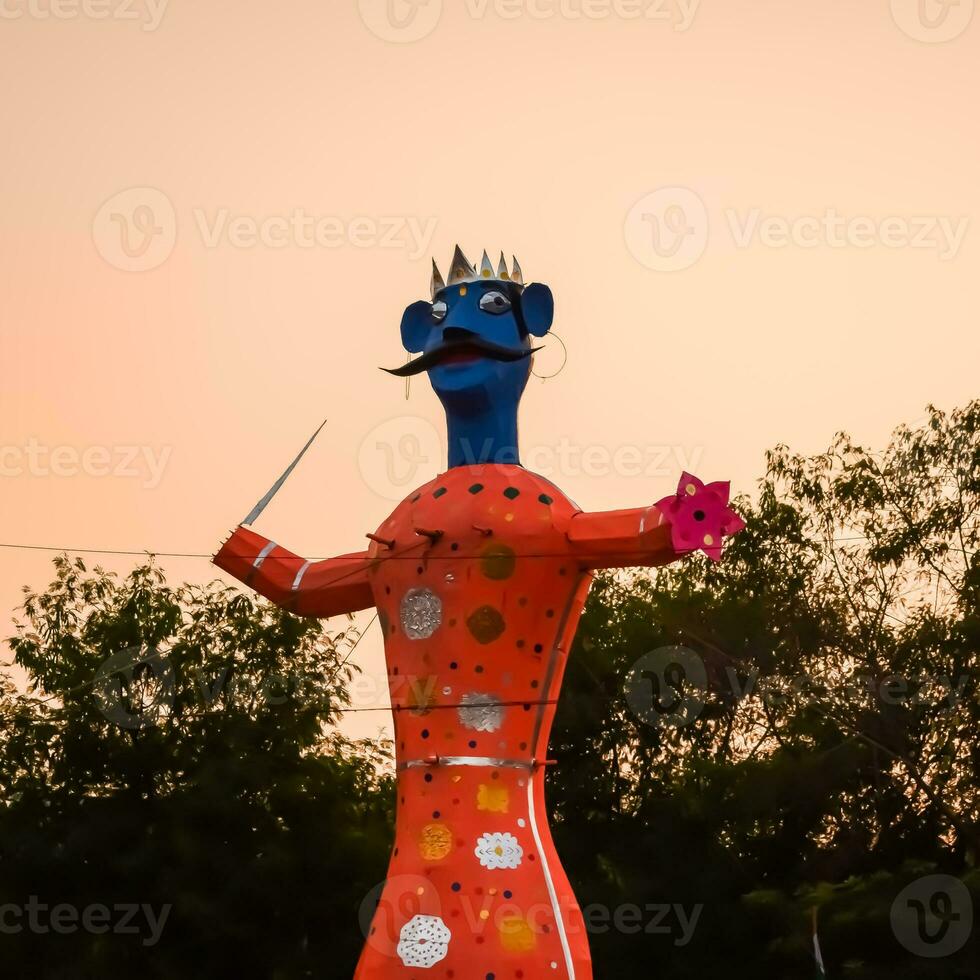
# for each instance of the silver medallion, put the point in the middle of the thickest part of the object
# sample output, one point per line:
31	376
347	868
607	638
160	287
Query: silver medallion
480	712
421	613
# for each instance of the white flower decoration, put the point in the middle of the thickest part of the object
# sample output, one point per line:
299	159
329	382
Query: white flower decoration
423	941
497	851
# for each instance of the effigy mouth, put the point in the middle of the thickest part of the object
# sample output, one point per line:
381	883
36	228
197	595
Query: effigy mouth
460	351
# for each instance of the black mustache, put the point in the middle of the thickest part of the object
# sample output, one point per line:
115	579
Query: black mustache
470	345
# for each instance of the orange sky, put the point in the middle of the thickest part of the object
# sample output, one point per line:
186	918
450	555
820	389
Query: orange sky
757	218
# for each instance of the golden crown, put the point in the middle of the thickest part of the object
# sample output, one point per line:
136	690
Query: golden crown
460	271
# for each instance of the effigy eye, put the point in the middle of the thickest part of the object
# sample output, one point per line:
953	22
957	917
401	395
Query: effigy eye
494	302
439	310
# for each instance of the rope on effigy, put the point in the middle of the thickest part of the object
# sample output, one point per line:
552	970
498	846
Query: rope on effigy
402	555
149	553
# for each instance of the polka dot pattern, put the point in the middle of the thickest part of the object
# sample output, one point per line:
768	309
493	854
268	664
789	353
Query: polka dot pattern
479	619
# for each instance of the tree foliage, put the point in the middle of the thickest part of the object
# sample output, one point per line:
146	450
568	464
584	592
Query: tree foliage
739	744
209	778
831	758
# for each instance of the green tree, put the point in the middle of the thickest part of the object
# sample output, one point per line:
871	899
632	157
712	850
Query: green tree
739	744
178	750
826	753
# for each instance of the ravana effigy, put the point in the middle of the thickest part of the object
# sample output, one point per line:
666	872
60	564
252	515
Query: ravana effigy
479	578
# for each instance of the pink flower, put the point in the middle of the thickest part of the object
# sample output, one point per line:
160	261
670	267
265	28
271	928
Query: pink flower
699	516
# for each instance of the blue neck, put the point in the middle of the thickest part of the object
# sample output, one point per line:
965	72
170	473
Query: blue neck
481	432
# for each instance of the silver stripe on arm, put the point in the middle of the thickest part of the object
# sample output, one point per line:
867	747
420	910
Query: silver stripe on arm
300	574
263	554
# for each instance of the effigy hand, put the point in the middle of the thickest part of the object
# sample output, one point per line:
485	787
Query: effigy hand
699	516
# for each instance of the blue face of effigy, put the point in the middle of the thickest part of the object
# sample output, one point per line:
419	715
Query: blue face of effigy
475	343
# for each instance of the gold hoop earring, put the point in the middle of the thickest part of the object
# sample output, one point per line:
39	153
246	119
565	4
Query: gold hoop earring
564	349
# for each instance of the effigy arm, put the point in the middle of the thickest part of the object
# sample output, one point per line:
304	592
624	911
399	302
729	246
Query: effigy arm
621	538
696	518
319	589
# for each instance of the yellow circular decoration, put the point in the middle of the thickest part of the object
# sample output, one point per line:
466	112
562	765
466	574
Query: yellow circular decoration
691	489
435	841
462	290
517	935
495	799
709	540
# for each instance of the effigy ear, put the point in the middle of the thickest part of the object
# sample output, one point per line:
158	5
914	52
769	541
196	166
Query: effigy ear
538	307
416	324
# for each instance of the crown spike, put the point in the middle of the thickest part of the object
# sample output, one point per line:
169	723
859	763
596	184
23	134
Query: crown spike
517	275
460	270
486	266
437	280
502	272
